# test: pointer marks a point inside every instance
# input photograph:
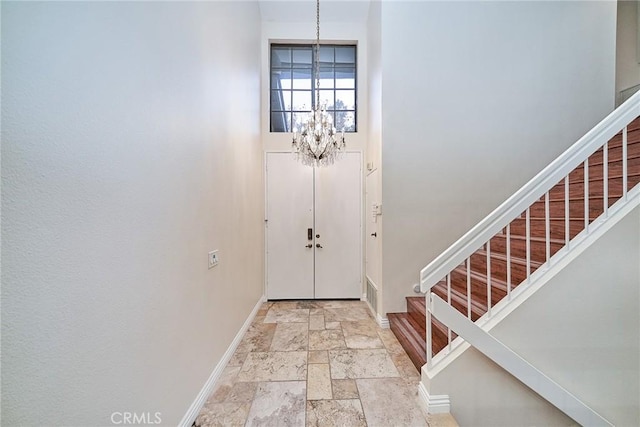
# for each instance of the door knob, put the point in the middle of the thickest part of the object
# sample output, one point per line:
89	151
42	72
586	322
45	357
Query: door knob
309	246
374	234
318	245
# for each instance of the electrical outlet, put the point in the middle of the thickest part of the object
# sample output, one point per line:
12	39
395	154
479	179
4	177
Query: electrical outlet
213	258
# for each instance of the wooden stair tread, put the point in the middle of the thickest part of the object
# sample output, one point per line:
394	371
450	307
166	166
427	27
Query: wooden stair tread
514	260
404	328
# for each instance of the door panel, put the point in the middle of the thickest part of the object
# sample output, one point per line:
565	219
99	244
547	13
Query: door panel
373	234
338	201
290	265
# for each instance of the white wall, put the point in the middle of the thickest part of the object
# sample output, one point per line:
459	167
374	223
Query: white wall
582	329
627	66
374	142
477	98
130	148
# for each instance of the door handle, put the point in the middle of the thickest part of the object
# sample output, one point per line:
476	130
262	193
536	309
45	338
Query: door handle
309	234
318	245
309	246
374	234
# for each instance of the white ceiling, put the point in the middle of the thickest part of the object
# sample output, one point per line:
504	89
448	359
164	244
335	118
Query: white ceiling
305	10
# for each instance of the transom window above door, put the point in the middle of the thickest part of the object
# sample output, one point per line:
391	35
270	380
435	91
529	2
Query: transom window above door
293	88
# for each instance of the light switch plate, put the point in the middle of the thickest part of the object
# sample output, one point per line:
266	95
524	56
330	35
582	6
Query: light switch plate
213	258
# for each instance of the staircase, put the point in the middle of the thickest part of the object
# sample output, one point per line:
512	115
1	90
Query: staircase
528	242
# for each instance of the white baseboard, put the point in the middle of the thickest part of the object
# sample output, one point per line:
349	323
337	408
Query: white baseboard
196	406
433	404
383	322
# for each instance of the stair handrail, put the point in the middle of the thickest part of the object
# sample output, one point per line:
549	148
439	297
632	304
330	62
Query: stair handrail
529	193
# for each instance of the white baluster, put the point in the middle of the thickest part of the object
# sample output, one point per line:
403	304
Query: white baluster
567	236
429	346
586	195
509	260
605	178
449	302
528	240
489	278
469	287
624	163
547	222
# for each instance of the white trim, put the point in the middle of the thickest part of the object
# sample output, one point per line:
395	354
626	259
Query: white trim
436	404
383	322
201	398
529	193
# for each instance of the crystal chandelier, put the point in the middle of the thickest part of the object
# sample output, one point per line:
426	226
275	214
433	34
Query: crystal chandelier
317	143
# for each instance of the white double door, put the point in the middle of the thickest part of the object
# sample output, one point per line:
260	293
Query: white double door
314	232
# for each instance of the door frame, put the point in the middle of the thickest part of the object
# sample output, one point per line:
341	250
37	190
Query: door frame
362	219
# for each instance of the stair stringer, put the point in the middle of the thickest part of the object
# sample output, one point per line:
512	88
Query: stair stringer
539	279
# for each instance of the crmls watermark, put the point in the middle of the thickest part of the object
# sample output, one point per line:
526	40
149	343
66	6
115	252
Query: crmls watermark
136	418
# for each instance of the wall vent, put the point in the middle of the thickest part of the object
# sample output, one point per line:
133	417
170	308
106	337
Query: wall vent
372	295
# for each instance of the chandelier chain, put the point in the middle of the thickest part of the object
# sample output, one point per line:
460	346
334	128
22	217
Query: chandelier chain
317	62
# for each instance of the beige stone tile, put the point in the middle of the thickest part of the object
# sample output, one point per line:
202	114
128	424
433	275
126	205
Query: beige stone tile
318	382
366	363
316	322
290	337
405	366
333	413
361	334
326	340
390	401
318	356
344	304
344	389
223	415
332	325
441	420
258	319
224	384
257	338
274	366
300	315
316	312
390	341
242	392
278	404
237	359
347	314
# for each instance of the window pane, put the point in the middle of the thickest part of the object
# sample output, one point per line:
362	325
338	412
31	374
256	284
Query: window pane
326	99
345	55
345	120
326	78
280	122
302	79
302	58
280	100
326	56
280	57
281	79
301	101
345	100
345	78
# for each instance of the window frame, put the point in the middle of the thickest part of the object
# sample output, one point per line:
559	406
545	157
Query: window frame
291	68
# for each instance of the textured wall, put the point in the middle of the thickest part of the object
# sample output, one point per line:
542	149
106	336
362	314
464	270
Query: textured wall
477	98
130	148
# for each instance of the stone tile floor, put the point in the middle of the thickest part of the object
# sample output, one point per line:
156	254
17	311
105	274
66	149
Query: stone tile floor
317	363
